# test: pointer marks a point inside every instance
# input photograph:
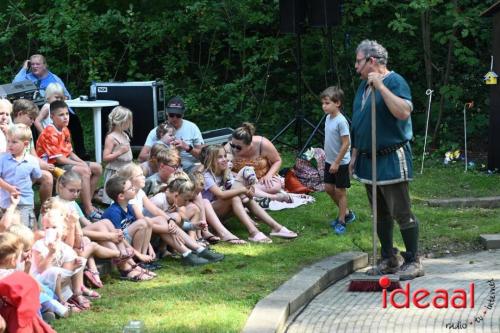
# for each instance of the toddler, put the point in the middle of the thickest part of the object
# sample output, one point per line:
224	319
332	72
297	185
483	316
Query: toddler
53	92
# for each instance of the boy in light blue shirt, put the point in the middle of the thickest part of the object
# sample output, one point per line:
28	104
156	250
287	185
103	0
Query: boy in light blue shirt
338	157
18	170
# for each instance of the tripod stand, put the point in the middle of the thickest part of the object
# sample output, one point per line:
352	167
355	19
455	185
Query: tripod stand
299	118
331	75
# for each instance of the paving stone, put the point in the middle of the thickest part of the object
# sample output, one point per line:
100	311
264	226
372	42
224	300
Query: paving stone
337	310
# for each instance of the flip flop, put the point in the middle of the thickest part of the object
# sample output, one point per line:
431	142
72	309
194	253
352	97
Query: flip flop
212	239
260	238
284	233
234	241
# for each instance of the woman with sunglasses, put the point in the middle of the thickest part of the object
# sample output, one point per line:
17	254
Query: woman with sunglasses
249	149
188	139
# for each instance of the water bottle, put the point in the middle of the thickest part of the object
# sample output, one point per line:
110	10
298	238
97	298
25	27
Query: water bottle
134	326
93	92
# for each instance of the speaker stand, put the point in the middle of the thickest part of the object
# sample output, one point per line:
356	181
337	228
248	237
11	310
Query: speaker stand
299	118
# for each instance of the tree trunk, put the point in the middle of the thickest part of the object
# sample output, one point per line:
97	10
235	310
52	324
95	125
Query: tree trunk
444	83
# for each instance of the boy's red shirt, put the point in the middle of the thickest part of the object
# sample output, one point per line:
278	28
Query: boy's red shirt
53	143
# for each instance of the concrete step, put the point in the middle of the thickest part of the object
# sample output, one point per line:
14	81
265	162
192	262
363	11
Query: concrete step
490	241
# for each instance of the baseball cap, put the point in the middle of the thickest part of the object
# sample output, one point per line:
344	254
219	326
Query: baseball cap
176	105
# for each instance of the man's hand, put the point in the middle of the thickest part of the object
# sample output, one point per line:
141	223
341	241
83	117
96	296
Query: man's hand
26	64
375	80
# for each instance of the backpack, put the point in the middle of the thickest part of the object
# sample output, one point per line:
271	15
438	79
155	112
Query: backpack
312	176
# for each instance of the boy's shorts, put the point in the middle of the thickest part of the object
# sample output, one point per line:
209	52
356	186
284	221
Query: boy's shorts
340	179
68	167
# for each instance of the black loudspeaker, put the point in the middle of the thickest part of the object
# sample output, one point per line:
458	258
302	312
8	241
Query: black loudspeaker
145	99
324	13
292	16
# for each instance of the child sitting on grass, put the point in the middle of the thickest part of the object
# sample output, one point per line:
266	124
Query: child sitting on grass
56	264
150	167
18	170
136	232
54	145
225	200
11	258
167	224
208	214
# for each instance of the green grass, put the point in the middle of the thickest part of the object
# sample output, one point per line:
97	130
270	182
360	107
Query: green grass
219	297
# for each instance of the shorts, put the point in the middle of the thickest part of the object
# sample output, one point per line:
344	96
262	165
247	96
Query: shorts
127	236
340	179
68	167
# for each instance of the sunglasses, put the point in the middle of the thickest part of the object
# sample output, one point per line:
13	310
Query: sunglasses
237	147
175	167
175	115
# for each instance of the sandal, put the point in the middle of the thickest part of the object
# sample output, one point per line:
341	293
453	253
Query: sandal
72	308
138	268
92	277
89	293
123	257
140	276
80	301
260	238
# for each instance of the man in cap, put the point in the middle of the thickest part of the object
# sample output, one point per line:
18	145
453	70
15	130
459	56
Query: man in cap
188	137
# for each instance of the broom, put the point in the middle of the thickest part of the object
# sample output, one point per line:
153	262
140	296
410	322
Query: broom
359	281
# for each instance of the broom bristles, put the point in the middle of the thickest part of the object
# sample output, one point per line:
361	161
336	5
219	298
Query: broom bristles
371	286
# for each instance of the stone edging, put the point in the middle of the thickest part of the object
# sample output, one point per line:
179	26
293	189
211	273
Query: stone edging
482	202
271	313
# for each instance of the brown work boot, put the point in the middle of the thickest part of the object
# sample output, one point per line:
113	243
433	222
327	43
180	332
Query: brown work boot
389	265
411	270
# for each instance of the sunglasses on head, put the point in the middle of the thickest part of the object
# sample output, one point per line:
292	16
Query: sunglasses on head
175	115
237	147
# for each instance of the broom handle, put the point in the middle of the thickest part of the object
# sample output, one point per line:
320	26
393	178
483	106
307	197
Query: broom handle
374	174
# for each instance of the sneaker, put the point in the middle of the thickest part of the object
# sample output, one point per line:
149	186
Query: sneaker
333	223
211	255
49	317
350	217
340	229
193	260
411	270
390	265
